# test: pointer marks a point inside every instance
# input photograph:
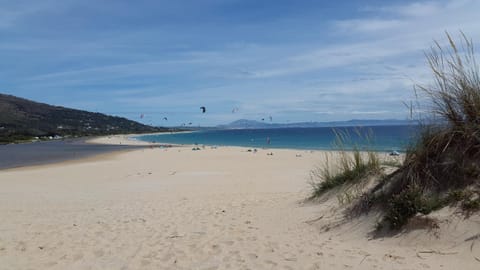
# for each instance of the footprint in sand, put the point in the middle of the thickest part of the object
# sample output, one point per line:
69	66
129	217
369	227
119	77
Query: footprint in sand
98	253
77	256
252	238
271	263
180	254
211	268
216	249
315	266
229	243
290	258
51	264
21	246
393	257
252	256
166	257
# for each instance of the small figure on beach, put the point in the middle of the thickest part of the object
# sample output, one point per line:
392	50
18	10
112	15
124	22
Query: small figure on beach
394	153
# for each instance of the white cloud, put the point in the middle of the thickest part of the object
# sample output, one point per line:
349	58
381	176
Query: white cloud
418	9
14	12
368	25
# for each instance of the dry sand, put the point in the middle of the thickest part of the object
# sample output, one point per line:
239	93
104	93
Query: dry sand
222	208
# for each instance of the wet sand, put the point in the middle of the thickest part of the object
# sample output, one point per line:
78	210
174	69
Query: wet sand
46	152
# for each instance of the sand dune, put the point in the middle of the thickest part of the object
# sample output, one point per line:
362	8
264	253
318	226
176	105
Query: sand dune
222	208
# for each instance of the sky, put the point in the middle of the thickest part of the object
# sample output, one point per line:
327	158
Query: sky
293	60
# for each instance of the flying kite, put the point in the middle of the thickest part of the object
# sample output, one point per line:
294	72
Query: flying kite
165	118
203	109
234	110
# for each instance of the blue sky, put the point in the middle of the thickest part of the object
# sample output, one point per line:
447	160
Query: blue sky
292	60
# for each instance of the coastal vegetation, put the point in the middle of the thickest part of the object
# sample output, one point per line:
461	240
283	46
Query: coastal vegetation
442	167
23	120
353	163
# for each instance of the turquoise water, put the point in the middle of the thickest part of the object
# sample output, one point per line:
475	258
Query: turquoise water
384	138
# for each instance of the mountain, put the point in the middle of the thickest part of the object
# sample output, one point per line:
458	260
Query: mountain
245	124
23	119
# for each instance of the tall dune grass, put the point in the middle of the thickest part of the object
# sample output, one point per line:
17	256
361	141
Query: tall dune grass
446	157
442	167
352	164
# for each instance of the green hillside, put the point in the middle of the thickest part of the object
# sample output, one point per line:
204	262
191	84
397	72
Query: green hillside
22	119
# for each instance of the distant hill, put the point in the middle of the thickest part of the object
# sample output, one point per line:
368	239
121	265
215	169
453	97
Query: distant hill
244	124
23	119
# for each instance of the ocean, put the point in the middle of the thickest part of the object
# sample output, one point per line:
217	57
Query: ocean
381	138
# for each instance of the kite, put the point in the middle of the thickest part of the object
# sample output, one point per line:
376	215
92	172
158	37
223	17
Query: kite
203	109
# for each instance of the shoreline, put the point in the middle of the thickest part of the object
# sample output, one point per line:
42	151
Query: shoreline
95	148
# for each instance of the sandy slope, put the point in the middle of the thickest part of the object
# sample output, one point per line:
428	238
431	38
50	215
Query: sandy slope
219	208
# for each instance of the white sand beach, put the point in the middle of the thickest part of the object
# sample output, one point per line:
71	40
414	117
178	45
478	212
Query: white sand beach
222	208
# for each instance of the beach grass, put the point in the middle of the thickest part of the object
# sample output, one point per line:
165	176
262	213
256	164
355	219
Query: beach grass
353	164
443	166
